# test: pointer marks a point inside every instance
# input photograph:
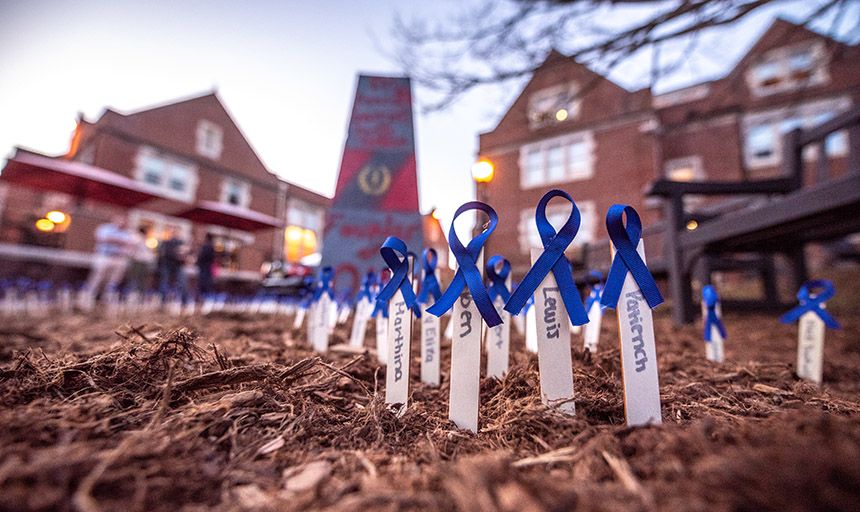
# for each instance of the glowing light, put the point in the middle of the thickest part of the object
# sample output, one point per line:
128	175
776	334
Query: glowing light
561	114
482	171
44	225
692	225
56	217
436	214
152	242
294	234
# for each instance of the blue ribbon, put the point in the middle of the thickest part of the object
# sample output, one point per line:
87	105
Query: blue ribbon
596	292
498	287
710	298
399	266
380	307
813	302
430	285
366	284
310	286
467	270
326	277
552	259
625	240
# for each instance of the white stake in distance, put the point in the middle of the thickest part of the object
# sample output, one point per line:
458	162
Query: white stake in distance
399	295
531	326
813	318
363	309
429	293
557	304
467	295
499	337
713	330
632	291
322	311
595	315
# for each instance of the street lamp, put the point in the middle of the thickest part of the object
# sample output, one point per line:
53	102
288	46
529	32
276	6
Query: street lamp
482	172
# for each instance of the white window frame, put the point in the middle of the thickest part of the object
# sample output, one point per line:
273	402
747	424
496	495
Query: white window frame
543	147
210	139
781	57
807	112
244	191
187	195
539	117
585	234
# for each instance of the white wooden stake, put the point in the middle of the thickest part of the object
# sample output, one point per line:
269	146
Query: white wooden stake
300	318
499	341
638	353
430	346
552	326
466	360
713	348
359	322
810	347
592	328
382	338
322	323
531	330
399	350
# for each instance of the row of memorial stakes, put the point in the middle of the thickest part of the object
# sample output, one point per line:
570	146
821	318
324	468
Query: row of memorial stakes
629	288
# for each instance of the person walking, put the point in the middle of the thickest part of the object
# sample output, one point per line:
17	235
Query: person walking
113	245
141	262
171	260
205	262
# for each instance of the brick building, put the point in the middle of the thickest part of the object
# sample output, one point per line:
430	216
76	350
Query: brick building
203	173
573	129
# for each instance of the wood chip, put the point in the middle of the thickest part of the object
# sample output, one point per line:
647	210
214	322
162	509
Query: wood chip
306	476
272	446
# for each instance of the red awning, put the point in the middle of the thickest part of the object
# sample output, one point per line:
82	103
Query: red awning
230	216
77	179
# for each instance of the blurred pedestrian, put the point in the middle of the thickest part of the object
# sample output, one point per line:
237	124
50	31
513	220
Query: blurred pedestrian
171	261
142	261
113	245
205	262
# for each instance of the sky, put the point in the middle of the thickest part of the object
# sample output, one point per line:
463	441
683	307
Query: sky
286	71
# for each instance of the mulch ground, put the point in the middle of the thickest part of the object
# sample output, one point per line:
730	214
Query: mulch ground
238	413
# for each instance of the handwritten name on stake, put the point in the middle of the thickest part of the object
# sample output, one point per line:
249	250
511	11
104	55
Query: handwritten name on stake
549	281
813	318
471	302
430	345
632	291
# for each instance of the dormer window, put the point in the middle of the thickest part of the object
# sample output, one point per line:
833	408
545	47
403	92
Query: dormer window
209	139
785	69
553	105
236	192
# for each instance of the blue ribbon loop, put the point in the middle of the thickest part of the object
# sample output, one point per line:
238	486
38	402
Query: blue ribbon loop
813	302
396	256
498	286
367	283
467	269
625	240
596	291
710	298
326	277
430	285
552	259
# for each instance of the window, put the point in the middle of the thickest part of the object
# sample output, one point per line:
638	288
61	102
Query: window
557	160
553	105
227	244
159	227
304	215
236	192
784	69
764	130
688	168
209	139
557	215
172	177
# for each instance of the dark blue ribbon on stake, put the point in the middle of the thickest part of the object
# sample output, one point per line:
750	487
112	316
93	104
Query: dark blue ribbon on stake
710	298
430	285
467	269
813	302
552	259
326	277
625	240
396	256
498	286
596	292
380	307
366	285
